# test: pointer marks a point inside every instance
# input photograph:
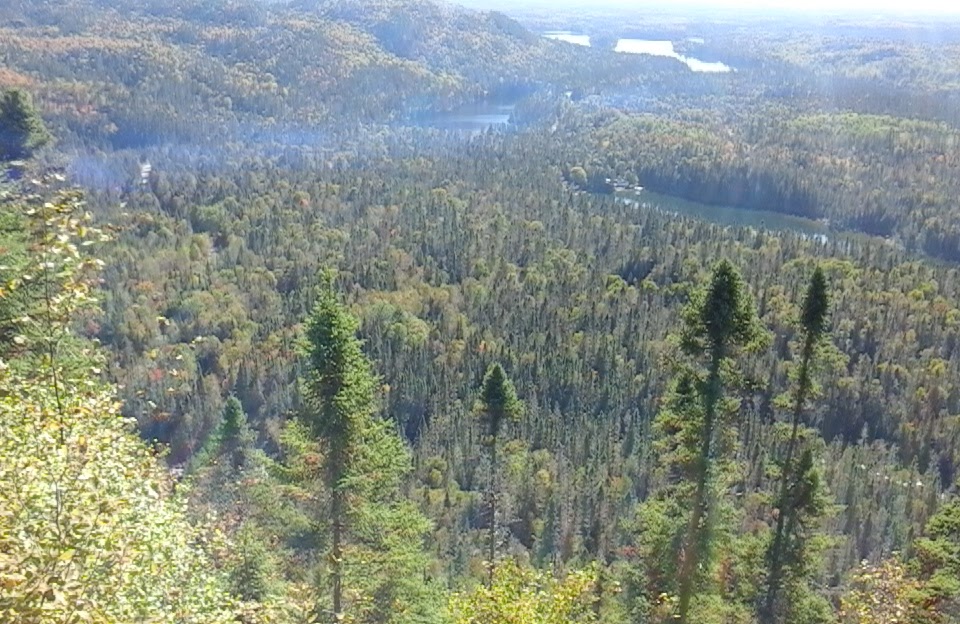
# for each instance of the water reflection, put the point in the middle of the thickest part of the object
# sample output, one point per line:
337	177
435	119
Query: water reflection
472	118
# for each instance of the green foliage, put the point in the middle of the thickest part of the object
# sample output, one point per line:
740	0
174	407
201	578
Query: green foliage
816	304
717	322
89	530
340	386
47	278
498	402
15	303
21	130
231	441
276	147
801	500
255	573
377	565
720	316
936	565
679	429
234	420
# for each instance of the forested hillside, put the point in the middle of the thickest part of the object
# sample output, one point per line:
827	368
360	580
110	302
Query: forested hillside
275	346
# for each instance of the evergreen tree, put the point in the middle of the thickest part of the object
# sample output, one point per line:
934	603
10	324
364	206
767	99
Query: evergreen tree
21	130
937	566
234	419
718	321
659	527
790	503
232	438
804	504
364	465
497	404
339	397
254	576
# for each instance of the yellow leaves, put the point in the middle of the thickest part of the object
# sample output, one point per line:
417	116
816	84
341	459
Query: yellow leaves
880	595
524	596
87	531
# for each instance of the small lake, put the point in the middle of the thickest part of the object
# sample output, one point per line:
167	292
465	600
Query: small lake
569	37
475	117
728	215
665	48
645	46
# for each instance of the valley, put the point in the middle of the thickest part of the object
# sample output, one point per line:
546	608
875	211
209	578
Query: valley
403	312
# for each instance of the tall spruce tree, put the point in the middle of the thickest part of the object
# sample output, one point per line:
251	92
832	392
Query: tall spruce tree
793	499
718	321
339	396
364	464
498	404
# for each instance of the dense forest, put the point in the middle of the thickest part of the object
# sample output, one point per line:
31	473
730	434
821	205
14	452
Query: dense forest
277	346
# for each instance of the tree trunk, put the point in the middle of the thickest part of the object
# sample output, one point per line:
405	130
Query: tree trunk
768	612
696	540
336	553
601	555
493	508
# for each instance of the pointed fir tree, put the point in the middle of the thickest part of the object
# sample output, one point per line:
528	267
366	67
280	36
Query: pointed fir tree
364	465
339	397
232	439
498	404
813	324
719	321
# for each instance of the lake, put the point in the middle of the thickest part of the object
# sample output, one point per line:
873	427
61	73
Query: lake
727	215
569	37
645	46
475	117
665	48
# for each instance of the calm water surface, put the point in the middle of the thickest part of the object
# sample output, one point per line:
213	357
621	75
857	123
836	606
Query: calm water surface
645	46
475	117
665	48
569	37
728	215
